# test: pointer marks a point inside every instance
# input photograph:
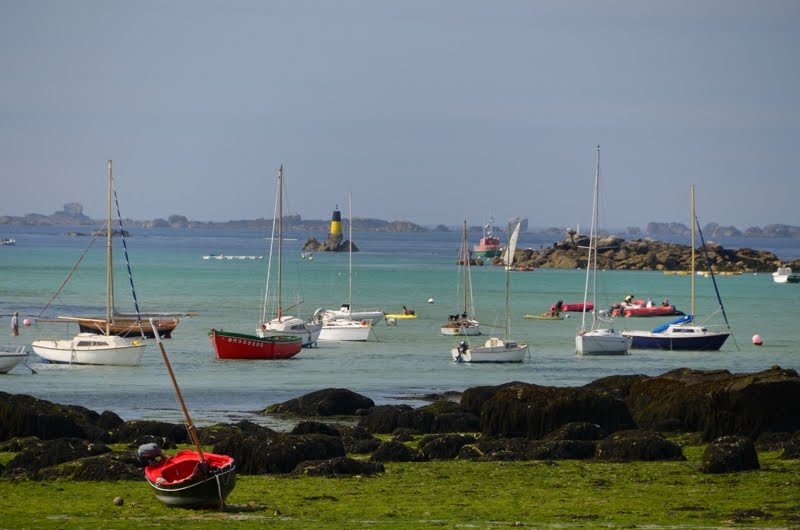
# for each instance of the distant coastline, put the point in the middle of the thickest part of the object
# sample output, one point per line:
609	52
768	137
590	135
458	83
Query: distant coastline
72	214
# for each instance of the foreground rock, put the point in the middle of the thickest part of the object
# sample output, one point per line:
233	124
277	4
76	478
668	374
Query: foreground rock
729	454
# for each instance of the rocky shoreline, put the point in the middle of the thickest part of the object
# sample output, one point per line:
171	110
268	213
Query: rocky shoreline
615	253
618	418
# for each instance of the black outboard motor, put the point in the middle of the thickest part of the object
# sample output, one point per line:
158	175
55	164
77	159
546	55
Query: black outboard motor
149	453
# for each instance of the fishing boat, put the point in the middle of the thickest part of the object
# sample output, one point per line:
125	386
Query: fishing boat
682	334
345	328
11	356
595	339
89	348
115	322
243	346
495	349
489	245
463	323
307	330
189	479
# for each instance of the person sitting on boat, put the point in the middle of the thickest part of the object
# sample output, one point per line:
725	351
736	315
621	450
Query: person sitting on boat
556	309
629	299
665	303
405	311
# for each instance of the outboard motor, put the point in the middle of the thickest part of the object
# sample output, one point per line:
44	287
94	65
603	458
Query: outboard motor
149	453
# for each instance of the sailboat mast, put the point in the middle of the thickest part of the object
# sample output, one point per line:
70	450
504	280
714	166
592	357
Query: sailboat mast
509	263
280	242
593	236
109	272
350	252
466	262
692	268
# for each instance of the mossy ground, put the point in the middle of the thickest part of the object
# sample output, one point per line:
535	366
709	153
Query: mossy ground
451	494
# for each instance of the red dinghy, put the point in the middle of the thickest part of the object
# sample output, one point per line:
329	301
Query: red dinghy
190	479
659	311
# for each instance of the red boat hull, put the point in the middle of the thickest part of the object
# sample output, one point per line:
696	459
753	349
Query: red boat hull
658	311
574	307
182	480
240	346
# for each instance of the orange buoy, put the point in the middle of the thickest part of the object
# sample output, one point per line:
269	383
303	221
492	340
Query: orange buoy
757	340
364	323
26	322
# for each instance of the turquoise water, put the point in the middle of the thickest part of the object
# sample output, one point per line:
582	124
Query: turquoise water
392	270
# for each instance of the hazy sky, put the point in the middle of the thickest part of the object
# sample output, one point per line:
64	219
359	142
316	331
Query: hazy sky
429	111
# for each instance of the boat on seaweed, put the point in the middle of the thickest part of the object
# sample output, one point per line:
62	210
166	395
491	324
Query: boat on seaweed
682	334
495	349
191	478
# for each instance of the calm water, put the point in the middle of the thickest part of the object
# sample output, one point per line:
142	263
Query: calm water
392	270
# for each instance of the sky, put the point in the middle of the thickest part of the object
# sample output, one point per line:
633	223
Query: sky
423	110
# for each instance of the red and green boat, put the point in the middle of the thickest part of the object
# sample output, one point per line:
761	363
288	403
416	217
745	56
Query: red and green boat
242	346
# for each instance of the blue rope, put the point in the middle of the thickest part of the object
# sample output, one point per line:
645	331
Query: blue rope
128	264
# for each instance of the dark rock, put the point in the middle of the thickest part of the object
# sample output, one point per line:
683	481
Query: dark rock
472	399
258	453
534	411
772	441
315	427
791	448
392	451
616	386
505	449
22	415
105	467
326	402
470	452
719	403
109	420
443	446
578	431
402	434
562	450
338	467
357	440
48	453
383	419
136	429
214	434
729	454
625	446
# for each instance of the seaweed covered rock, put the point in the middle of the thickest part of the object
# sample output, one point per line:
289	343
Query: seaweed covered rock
729	454
392	451
624	446
48	453
258	453
617	386
439	417
719	403
22	415
562	450
472	399
315	427
791	448
534	411
581	431
383	419
131	431
338	467
443	446
357	440
326	402
214	434
105	467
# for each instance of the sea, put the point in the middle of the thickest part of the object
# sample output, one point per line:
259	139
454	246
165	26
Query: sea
401	363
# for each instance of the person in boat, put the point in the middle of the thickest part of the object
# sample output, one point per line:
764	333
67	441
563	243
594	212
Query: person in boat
405	311
665	303
15	324
556	310
629	300
649	303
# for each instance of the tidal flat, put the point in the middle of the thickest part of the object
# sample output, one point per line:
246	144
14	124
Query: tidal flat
443	494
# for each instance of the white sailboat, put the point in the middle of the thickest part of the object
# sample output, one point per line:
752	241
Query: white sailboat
307	330
464	323
111	348
346	328
496	350
594	339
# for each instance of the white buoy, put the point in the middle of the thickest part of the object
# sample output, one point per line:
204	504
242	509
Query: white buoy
757	340
430	300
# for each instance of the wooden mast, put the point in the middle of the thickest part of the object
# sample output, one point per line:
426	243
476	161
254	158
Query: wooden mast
109	272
